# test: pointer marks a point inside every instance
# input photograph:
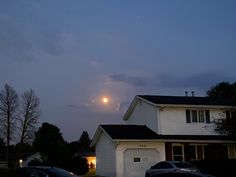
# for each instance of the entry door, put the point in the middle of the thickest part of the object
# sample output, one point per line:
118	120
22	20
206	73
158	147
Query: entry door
137	161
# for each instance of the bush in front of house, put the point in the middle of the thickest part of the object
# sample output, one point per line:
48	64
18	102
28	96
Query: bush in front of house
218	168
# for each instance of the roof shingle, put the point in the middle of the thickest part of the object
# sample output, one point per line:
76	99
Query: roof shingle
188	100
129	132
142	132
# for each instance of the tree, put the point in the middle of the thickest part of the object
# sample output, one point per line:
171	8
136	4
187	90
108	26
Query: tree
49	141
8	114
29	114
2	146
84	142
227	126
225	90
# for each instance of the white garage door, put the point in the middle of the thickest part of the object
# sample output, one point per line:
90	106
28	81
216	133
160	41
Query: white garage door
137	161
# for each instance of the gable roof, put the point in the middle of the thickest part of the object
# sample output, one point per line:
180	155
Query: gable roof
157	100
143	133
124	132
129	132
188	100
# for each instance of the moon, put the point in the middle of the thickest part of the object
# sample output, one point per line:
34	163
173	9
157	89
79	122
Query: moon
105	100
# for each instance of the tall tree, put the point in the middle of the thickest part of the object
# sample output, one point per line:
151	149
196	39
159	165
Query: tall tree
225	90
8	114
29	115
2	146
49	141
84	142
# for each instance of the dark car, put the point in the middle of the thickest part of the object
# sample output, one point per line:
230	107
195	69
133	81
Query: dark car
181	174
40	171
170	166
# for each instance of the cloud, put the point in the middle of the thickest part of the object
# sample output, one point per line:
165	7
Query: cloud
201	81
81	106
171	84
13	41
123	106
128	79
51	43
26	41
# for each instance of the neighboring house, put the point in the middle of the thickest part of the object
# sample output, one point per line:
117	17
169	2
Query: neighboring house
27	158
163	128
91	158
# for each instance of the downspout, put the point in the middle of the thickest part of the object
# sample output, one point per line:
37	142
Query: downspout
158	121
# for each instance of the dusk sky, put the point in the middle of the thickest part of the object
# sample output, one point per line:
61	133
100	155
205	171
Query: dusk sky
74	52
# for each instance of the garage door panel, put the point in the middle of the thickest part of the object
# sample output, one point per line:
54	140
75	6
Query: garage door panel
137	161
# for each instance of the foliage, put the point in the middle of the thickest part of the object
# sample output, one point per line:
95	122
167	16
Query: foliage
8	114
225	90
217	168
23	148
29	114
78	165
222	90
8	111
84	142
14	113
49	142
227	126
82	145
2	145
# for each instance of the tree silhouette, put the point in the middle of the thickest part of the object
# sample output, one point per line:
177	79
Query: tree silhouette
224	90
84	142
29	113
8	114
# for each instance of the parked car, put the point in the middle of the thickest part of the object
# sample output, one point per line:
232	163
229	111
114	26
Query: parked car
40	171
170	166
181	174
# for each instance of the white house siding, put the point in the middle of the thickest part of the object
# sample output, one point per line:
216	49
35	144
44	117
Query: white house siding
144	114
173	121
105	157
149	152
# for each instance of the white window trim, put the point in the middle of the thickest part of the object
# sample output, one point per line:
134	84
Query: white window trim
175	144
197	110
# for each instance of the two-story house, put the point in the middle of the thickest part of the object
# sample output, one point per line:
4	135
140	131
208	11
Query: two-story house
160	128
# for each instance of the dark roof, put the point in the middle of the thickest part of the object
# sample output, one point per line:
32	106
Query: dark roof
141	132
188	100
129	132
196	137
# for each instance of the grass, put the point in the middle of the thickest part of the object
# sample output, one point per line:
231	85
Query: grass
92	173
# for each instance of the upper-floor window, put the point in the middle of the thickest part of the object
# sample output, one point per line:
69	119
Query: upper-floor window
197	116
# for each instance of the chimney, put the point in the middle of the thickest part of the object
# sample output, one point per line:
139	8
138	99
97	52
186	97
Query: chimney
186	93
192	93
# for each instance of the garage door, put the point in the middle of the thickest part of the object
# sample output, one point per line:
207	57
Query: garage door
137	161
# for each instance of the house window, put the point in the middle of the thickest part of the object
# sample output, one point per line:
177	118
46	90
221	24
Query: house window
136	159
177	151
197	116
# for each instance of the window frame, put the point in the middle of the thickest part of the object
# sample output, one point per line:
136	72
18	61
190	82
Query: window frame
178	155
197	116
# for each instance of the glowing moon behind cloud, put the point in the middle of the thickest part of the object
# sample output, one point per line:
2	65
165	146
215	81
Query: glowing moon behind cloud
105	100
